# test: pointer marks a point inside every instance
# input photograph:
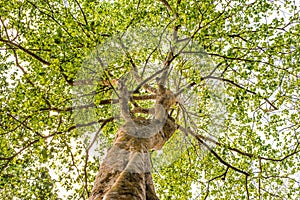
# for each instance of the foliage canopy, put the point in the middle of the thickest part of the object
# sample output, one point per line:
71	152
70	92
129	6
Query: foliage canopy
252	51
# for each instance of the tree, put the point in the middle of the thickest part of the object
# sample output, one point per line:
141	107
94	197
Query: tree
209	90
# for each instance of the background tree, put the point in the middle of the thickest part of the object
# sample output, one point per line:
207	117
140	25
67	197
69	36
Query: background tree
251	51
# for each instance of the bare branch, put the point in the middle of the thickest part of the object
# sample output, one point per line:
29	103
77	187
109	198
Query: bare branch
167	6
147	80
83	14
26	51
102	102
83	125
24	125
246	186
296	150
201	142
185	88
9	159
239	86
222	176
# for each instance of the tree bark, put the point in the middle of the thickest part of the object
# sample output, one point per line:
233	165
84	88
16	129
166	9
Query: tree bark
125	173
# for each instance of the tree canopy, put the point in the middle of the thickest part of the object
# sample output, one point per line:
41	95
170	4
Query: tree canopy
235	69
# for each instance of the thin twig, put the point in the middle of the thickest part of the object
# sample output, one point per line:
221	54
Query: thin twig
212	151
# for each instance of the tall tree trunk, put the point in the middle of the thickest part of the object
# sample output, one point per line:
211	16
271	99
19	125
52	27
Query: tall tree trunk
125	172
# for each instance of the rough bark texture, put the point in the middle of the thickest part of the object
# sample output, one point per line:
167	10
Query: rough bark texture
125	171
